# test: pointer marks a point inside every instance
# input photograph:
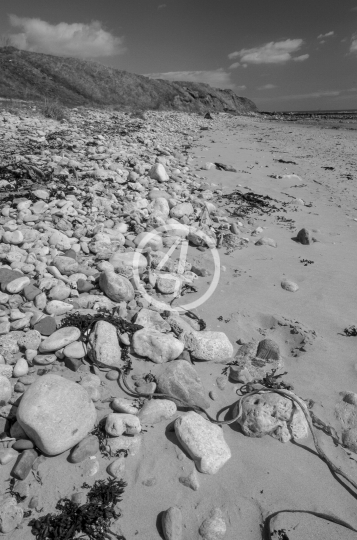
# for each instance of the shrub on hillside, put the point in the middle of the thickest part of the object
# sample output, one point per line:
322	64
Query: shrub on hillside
53	109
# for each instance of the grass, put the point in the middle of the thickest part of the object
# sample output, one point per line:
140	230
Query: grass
52	109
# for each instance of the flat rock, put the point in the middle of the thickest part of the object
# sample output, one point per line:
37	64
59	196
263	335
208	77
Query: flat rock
56	414
59	339
104	345
46	326
180	380
204	442
157	346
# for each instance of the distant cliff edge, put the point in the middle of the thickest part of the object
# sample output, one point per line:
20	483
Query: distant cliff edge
73	82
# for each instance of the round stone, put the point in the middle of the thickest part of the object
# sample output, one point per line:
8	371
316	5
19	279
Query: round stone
59	339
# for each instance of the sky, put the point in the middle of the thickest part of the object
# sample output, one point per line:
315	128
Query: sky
283	54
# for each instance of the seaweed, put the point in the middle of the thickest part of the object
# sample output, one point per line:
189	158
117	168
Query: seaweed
351	331
93	519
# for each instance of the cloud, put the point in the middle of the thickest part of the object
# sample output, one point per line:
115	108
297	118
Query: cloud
301	58
329	34
316	95
267	87
354	9
275	52
353	47
219	78
64	39
234	65
161	6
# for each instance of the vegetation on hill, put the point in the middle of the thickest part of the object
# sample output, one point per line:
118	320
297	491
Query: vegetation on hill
73	82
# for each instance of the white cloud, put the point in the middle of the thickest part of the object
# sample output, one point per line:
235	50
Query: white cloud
275	52
75	39
329	34
353	47
234	65
267	87
161	6
301	58
219	78
316	95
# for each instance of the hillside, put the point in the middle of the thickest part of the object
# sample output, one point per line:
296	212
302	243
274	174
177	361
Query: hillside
73	82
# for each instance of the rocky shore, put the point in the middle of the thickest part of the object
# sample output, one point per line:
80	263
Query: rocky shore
171	287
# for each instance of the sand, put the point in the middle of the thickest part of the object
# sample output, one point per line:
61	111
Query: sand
263	476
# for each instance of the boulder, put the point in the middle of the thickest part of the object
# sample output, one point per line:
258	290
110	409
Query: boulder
272	414
180	380
104	345
118	288
56	414
157	346
204	442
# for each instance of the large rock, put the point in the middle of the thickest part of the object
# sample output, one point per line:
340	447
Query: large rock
56	414
204	442
59	339
118	288
158	172
255	361
157	346
179	379
131	259
210	346
272	414
152	319
103	344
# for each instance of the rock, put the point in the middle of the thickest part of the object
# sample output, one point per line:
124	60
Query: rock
210	346
158	172
181	209
290	286
46	326
103	344
118	288
156	410
59	339
17	285
57	307
11	515
214	527
160	208
264	241
152	319
75	350
23	466
44	359
66	265
116	468
113	376
190	481
22	444
304	236
157	346
21	368
255	361
123	405
59	292
31	340
272	414
346	413
56	414
171	522
131	444
147	240
179	379
131	259
118	423
204	442
89	446
168	284
5	390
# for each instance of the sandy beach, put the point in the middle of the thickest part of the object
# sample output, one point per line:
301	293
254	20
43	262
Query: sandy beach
309	174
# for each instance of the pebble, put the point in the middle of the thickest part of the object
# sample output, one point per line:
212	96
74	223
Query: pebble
157	346
46	326
156	410
214	527
11	515
116	468
59	339
5	390
117	424
290	286
171	522
190	481
89	446
23	466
